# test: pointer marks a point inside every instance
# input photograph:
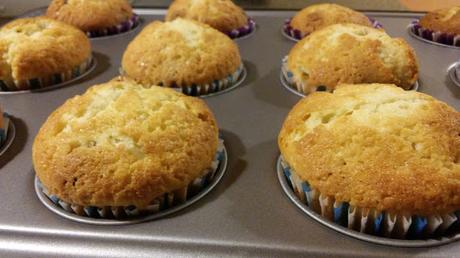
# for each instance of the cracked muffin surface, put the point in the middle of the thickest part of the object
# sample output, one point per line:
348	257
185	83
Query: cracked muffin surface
350	53
377	146
32	48
121	144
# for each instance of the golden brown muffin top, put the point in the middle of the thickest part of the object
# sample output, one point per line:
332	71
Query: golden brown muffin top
445	20
318	16
377	146
223	15
36	47
121	144
180	53
350	53
90	15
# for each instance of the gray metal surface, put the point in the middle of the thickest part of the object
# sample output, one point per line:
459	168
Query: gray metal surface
288	190
247	214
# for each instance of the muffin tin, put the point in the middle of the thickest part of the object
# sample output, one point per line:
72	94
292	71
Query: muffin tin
247	213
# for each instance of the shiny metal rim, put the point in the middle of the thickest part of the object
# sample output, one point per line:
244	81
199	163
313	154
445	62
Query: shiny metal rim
71	216
452	72
286	85
9	137
287	35
409	29
247	35
352	233
56	86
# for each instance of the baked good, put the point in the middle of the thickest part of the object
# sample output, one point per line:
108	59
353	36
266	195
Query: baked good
380	151
222	15
441	26
38	52
350	53
94	151
95	17
318	16
445	20
183	54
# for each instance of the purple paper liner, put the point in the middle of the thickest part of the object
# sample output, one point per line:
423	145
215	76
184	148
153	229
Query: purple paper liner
296	34
434	36
243	31
125	26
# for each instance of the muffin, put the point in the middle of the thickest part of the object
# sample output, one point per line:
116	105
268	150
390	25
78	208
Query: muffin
318	16
349	53
39	52
183	54
95	153
222	15
376	158
442	26
95	17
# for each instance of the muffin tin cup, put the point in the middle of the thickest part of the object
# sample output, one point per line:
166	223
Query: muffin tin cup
7	133
433	37
243	32
296	35
287	80
366	224
454	73
167	204
52	82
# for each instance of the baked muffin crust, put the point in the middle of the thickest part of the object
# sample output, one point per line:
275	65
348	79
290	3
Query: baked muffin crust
38	47
350	53
377	146
223	15
90	15
445	20
180	53
318	16
121	144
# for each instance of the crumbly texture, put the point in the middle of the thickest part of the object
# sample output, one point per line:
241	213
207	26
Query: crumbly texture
122	144
90	15
318	16
38	47
445	20
223	15
377	146
180	53
350	53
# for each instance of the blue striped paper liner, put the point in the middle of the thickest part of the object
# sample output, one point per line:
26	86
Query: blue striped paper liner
167	200
417	228
434	36
296	35
41	83
128	25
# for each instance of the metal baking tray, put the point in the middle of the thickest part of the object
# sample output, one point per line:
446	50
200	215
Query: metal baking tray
247	213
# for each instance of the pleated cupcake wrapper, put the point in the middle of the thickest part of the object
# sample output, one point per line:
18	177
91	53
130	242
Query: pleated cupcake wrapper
243	31
298	86
370	221
125	26
213	87
435	36
4	128
40	83
298	35
167	200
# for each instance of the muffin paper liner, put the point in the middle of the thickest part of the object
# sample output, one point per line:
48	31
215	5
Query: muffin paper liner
166	201
125	26
296	35
4	128
434	36
370	221
299	88
243	31
49	81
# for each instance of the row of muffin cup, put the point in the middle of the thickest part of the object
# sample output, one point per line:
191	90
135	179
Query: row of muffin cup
139	45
